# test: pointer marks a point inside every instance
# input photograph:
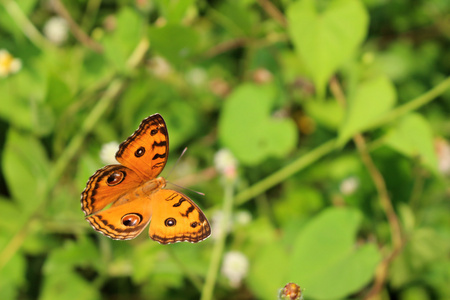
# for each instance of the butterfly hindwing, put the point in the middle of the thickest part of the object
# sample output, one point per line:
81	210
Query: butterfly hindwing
176	218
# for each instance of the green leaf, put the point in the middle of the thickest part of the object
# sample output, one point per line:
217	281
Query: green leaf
412	136
235	17
426	247
13	277
371	101
326	39
268	271
255	136
26	168
328	113
178	50
175	11
327	261
61	281
68	285
300	201
18	106
120	44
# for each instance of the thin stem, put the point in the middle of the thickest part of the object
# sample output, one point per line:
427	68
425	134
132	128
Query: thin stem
77	32
279	176
90	15
217	254
380	185
273	11
413	104
25	24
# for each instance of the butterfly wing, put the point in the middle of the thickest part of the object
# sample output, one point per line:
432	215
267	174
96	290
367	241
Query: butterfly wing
115	186
176	218
106	186
124	221
147	149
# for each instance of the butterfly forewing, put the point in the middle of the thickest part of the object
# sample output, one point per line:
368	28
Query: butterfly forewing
147	149
106	186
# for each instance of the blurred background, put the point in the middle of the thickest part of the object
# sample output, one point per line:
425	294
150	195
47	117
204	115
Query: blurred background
318	131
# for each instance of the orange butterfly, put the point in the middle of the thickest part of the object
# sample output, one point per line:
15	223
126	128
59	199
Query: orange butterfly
119	200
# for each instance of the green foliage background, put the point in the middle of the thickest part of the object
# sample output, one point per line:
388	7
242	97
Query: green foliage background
311	97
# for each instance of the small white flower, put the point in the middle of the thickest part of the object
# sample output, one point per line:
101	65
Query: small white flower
226	164
242	217
349	185
196	76
442	149
160	67
217	227
56	30
108	153
8	64
235	267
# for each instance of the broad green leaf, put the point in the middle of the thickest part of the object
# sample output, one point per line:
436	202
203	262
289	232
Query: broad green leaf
123	40
300	201
59	95
21	103
235	17
144	260
11	218
268	271
175	11
178	50
326	39
61	280
13	276
68	285
328	262
73	253
328	113
371	101
255	136
412	136
26	168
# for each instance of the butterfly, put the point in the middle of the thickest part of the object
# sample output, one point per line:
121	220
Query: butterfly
121	199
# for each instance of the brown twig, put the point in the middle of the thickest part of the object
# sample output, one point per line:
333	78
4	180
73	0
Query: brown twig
385	201
225	46
77	32
273	11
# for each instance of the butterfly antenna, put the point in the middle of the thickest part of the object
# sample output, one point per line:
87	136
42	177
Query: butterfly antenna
176	163
173	168
182	187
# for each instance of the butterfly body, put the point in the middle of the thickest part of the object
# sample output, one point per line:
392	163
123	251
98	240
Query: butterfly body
120	200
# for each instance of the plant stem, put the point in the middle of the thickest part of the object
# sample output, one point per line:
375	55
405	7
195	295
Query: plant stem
413	104
76	30
217	254
279	176
25	24
380	185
